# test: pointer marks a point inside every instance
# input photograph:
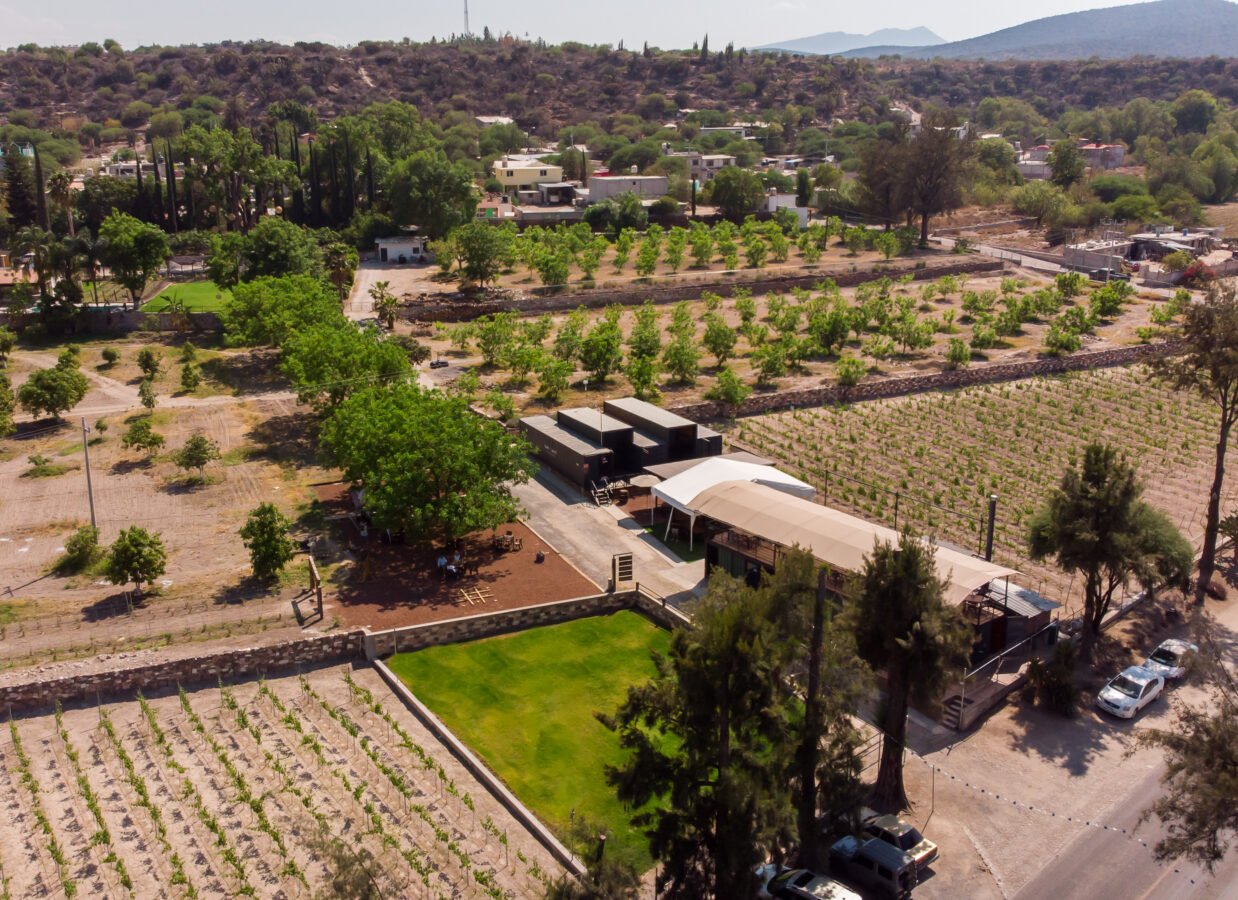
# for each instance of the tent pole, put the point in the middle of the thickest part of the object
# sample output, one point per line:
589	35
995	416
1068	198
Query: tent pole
691	528
669	516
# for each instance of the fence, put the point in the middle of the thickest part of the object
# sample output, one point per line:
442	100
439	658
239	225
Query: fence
988	684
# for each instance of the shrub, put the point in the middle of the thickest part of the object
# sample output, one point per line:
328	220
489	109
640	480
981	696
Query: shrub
81	549
729	388
958	353
190	377
850	370
149	361
111	355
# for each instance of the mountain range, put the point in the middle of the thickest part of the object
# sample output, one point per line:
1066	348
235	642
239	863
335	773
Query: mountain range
831	43
1181	29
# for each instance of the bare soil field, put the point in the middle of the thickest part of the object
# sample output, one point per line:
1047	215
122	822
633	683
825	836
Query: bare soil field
271	789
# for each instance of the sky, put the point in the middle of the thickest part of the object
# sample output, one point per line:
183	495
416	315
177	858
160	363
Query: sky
674	24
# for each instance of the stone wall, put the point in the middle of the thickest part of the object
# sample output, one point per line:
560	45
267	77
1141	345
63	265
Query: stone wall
565	300
758	404
469	628
229	664
104	321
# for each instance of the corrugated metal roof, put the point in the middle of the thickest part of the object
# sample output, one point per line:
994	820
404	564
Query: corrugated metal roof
1020	600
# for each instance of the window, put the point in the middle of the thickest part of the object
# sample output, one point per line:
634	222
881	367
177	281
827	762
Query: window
543	172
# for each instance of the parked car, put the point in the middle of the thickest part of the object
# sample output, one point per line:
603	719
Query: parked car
898	832
874	864
1129	692
1171	658
800	884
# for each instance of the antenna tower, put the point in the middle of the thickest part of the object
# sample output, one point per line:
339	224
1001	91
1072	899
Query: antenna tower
466	19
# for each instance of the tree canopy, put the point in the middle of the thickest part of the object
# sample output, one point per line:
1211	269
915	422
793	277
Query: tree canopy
327	362
134	251
1095	523
426	190
429	467
136	555
267	310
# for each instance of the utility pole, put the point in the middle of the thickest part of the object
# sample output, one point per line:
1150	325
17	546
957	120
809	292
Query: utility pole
89	489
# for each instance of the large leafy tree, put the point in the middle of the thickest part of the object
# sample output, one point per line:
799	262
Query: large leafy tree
327	362
52	391
426	190
269	310
1094	523
736	191
903	624
1067	163
429	467
134	252
481	248
275	247
936	162
1207	364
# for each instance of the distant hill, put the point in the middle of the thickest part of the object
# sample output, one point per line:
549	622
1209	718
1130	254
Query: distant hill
833	42
1183	29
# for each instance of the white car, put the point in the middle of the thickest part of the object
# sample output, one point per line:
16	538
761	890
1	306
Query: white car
1130	692
1170	659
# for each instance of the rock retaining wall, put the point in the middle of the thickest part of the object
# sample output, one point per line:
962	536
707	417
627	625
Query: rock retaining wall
758	404
470	628
228	664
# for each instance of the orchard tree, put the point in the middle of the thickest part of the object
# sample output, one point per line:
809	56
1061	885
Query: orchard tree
136	555
1207	364
265	535
196	453
601	350
134	251
140	436
52	391
146	393
1096	524
7	404
903	624
429	468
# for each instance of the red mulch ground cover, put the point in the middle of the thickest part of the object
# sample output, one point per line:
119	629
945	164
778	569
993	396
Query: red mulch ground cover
399	584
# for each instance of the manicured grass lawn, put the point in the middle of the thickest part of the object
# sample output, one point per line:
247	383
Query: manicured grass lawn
199	296
525	704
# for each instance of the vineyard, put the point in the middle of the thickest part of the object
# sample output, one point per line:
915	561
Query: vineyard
931	461
291	787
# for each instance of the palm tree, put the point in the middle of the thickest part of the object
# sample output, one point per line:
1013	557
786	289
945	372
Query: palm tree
40	245
59	186
386	304
341	261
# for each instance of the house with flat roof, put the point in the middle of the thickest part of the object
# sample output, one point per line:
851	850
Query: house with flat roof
525	174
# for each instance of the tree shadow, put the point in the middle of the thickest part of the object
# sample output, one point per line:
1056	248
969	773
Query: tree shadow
129	466
248	372
1072	743
289	439
190	484
112	607
247	587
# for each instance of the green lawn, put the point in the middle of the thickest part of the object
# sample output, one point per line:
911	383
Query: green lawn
525	703
199	296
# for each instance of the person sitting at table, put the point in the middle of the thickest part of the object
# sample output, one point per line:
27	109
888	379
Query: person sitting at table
442	566
455	559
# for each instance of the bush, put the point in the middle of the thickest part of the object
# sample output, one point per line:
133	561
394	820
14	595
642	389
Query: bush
958	353
81	550
850	370
729	388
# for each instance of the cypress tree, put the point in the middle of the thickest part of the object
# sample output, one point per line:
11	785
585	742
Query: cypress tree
19	189
279	185
315	191
188	182
158	204
369	179
298	193
350	181
336	206
173	217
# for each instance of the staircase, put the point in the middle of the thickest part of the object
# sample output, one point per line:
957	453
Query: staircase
601	495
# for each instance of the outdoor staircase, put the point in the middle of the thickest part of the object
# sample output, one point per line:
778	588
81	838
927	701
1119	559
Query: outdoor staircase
601	495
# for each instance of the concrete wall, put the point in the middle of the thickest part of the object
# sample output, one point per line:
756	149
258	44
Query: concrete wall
229	664
101	321
939	381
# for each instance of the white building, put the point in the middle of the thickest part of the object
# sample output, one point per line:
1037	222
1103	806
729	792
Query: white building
405	248
647	187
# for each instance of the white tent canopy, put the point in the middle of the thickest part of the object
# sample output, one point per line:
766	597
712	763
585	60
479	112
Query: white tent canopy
681	491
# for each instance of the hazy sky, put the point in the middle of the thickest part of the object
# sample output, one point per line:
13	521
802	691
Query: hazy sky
673	24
